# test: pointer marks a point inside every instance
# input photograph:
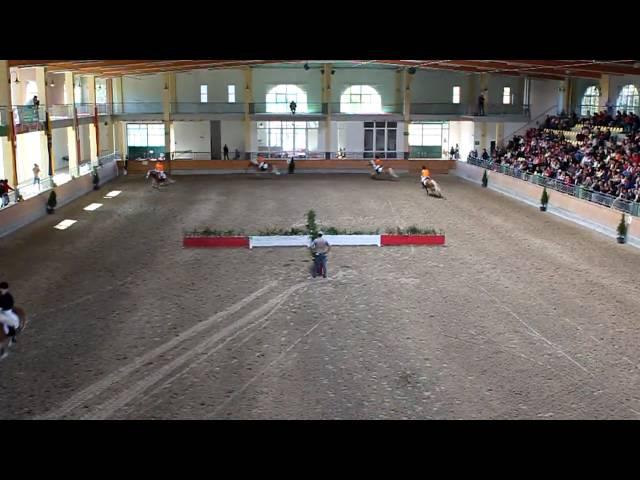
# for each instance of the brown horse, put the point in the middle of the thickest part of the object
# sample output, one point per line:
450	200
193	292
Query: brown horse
4	339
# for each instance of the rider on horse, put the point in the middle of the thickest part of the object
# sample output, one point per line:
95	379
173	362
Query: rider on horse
425	175
377	166
8	318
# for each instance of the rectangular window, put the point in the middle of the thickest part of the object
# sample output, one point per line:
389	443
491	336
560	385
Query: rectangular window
231	93
203	94
145	135
506	95
456	94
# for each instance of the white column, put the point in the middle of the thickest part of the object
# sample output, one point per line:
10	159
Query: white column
41	84
168	97
248	99
93	128
8	141
73	137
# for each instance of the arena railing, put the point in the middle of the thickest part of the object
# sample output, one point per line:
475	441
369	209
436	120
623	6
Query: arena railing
27	189
578	191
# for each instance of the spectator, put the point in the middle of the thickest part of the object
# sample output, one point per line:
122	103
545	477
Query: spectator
226	152
481	104
237	155
594	158
5	192
36	175
485	155
293	107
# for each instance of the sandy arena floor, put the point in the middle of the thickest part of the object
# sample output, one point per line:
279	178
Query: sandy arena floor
521	315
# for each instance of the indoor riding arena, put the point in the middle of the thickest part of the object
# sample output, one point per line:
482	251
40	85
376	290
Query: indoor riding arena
521	314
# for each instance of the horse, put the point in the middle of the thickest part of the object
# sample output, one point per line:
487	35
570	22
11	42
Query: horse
5	341
432	187
158	179
379	171
263	166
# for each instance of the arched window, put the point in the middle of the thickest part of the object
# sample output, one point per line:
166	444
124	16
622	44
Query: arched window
280	96
361	99
629	99
590	101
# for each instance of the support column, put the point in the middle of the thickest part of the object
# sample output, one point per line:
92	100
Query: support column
46	145
94	128
499	134
168	97
471	93
109	128
566	97
483	136
248	100
526	96
605	89
484	88
117	93
326	98
73	136
406	80
8	142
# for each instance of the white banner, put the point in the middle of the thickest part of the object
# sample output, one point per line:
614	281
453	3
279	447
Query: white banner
279	241
304	241
353	240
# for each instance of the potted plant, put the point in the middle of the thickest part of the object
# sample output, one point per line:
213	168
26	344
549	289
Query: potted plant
485	178
52	202
96	179
544	200
622	229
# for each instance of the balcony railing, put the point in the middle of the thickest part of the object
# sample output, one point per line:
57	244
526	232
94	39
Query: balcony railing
185	107
284	108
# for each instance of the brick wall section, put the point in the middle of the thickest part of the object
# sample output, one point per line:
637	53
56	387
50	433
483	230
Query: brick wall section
413	166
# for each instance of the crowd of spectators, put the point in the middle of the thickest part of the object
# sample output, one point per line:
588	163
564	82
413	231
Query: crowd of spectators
597	160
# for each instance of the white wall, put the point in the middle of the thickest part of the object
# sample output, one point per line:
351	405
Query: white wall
463	134
147	88
436	86
60	147
188	85
232	134
543	96
29	151
351	136
85	143
192	136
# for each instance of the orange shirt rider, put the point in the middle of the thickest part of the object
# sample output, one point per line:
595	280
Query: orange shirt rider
378	166
424	174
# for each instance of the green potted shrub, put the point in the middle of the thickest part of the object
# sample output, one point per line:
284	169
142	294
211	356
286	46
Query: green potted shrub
96	178
485	178
52	202
622	229
544	200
